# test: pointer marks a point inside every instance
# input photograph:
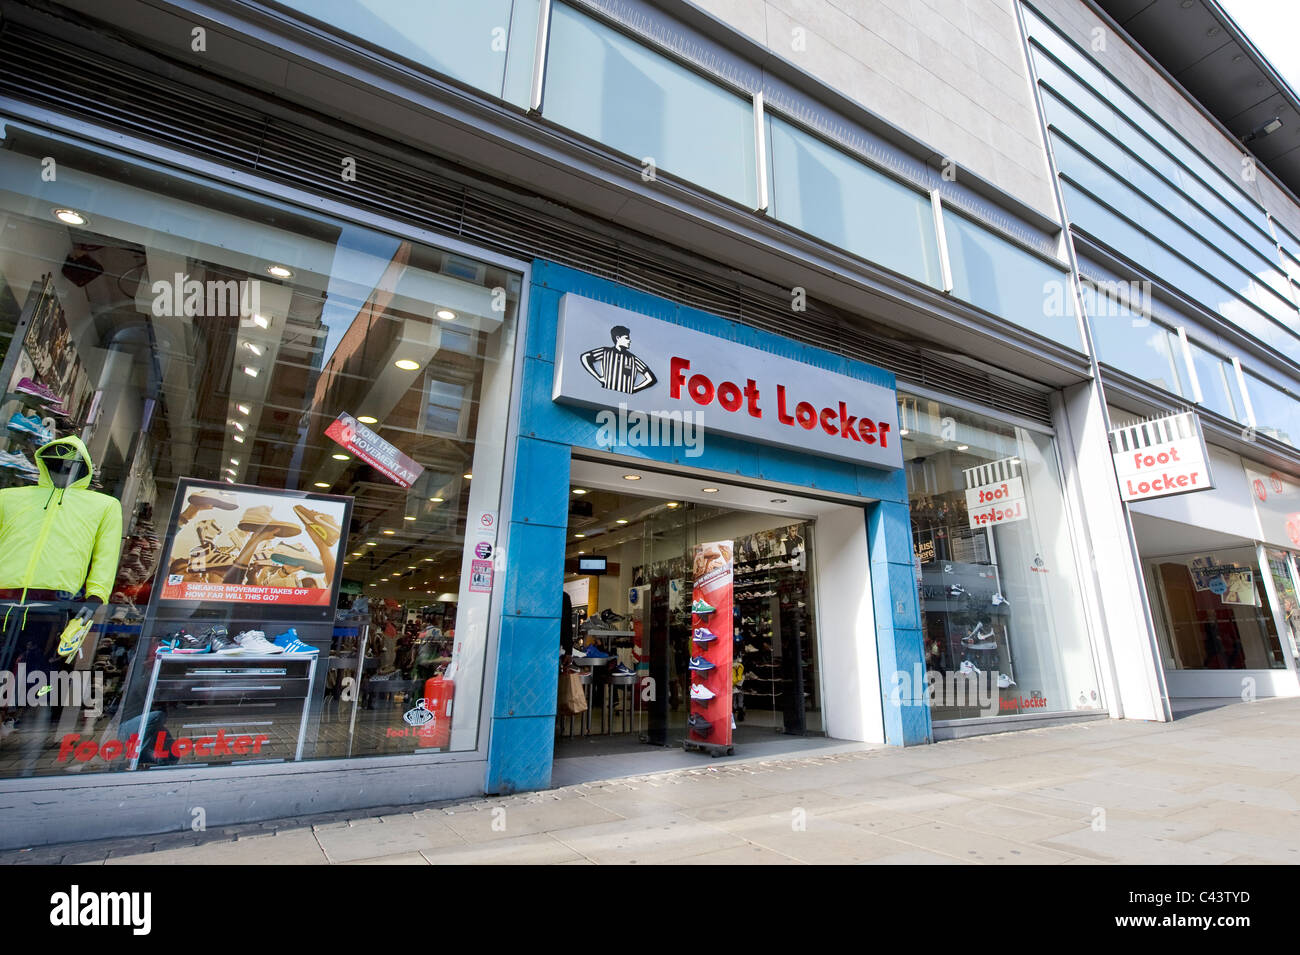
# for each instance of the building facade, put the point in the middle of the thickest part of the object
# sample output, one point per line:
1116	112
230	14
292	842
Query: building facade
408	339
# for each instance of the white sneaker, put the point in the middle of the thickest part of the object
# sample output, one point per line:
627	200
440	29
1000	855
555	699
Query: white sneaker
254	641
1005	681
701	692
969	669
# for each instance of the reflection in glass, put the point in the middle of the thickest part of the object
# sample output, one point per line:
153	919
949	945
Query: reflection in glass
605	86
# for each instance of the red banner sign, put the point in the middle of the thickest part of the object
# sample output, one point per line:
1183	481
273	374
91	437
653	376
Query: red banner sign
374	450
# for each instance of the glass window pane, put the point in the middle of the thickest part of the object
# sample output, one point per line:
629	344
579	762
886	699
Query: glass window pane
1001	278
1134	344
1212	372
276	404
1214	612
468	42
829	194
611	89
1000	605
1277	413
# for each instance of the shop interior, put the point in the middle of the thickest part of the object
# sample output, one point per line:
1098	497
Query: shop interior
1211	603
632	621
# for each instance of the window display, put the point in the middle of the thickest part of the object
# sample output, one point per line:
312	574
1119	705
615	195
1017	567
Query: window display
1001	616
1213	612
221	426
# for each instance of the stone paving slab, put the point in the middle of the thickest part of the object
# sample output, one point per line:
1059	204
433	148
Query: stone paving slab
1216	786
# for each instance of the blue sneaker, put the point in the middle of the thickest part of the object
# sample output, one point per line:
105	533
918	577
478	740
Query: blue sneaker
290	643
699	664
32	426
704	635
622	670
595	652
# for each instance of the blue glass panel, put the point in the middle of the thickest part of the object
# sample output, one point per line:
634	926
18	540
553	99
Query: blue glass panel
607	87
829	194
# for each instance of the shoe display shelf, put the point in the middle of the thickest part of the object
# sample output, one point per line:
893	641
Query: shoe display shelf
216	689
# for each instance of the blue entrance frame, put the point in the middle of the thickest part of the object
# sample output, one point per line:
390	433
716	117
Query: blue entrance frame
521	745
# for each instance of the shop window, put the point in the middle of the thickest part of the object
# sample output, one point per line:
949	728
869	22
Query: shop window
487	44
292	419
1281	565
668	118
1215	612
992	273
1001	613
843	201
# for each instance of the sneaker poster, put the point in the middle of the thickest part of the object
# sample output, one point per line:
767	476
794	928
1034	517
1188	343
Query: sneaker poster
711	644
236	543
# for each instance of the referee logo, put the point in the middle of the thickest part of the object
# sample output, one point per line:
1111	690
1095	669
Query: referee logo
616	368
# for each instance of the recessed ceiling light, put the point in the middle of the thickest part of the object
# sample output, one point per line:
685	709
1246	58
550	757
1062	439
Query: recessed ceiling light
341	457
620	521
436	500
709	490
243	409
631	477
582	552
963	447
442	576
903	432
70	217
255	349
428	560
389	531
239	425
234	461
229	470
357	553
579	536
366	419
279	271
250	371
372	543
261	321
468	477
406	364
230	481
321	484
410	567
579	491
239	438
445	314
672	504
409	517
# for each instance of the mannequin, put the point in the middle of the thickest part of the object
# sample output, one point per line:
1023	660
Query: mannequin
58	538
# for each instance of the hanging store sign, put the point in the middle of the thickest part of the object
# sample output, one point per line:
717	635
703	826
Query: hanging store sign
609	357
351	434
1161	457
995	493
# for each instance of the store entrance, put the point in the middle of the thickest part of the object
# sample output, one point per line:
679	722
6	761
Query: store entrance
632	622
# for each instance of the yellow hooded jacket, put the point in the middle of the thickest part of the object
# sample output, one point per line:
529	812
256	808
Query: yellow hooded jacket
56	538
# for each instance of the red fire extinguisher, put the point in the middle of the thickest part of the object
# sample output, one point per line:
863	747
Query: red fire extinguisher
439	694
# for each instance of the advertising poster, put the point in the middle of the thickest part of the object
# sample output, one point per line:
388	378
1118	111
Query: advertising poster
1231	583
234	543
709	723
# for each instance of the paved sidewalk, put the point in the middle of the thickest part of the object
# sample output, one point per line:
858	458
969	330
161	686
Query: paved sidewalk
1217	786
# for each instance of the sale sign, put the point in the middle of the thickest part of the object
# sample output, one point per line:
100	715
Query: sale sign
995	493
351	434
1160	457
